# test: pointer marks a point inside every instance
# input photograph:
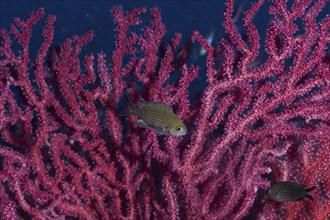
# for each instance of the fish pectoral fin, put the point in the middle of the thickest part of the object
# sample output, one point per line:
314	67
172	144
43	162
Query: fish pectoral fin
160	130
141	123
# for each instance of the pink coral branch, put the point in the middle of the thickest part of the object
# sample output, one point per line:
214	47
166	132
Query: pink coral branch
66	153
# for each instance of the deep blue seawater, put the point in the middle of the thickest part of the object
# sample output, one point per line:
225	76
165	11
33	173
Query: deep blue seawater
77	17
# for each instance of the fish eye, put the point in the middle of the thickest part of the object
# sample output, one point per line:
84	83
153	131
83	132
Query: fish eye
179	128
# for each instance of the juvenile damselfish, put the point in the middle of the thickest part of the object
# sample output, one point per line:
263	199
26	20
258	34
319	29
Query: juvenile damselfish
157	116
289	191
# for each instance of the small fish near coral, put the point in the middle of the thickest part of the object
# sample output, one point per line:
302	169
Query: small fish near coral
289	191
156	115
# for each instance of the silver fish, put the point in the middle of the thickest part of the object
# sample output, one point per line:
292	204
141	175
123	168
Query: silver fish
156	115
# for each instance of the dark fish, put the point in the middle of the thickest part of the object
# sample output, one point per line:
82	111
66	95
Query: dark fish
157	116
289	191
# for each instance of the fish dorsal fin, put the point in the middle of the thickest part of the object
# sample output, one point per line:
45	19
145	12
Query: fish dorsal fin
155	104
296	185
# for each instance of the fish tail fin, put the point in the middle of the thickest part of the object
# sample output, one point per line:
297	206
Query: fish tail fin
310	189
310	197
130	108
